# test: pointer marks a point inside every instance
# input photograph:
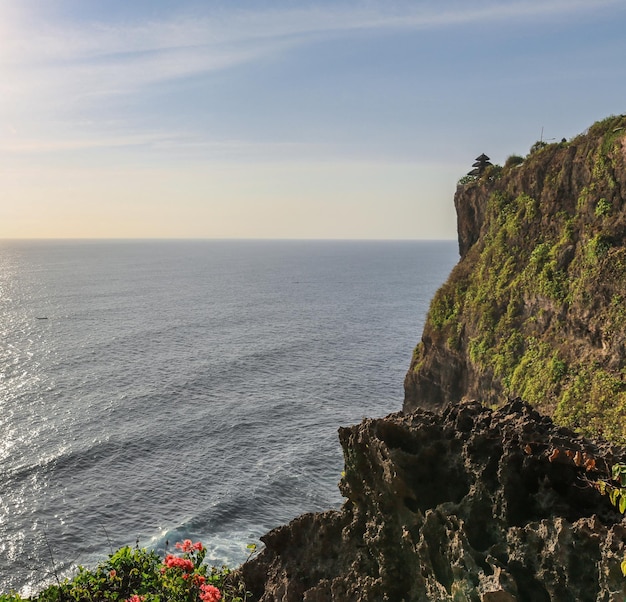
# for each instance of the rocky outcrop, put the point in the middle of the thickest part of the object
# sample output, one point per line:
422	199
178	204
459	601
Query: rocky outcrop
453	500
536	306
468	505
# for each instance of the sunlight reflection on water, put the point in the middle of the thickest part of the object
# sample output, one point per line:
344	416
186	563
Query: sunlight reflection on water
190	389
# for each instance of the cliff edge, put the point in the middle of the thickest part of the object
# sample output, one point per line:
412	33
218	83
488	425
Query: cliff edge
468	505
471	494
536	306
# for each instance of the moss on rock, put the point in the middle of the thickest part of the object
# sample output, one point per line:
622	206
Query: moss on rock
535	308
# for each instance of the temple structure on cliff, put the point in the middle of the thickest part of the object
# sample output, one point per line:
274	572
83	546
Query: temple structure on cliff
482	162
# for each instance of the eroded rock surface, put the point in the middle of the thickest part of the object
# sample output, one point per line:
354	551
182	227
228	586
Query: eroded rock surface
468	505
463	503
536	306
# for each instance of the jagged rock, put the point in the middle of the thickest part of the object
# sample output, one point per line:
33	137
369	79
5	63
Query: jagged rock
467	505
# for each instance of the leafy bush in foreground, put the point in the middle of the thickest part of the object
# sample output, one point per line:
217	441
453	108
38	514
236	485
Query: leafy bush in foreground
615	489
139	575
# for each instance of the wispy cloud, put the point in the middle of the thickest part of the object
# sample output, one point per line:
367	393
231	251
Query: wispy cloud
168	142
49	70
142	53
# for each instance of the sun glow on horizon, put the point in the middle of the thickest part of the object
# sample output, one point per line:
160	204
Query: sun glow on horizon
320	120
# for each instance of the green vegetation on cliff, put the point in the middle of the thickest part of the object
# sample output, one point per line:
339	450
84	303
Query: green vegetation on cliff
536	308
140	575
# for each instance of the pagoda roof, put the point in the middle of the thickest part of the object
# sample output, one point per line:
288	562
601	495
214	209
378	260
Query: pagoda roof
482	158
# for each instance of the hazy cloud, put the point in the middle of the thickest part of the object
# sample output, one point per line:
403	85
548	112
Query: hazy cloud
51	71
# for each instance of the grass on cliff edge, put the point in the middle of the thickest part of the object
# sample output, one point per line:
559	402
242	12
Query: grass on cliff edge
140	575
538	308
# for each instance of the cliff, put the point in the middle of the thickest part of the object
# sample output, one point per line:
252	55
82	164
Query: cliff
468	505
536	307
471	494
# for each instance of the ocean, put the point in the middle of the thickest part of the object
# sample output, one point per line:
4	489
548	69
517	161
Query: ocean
152	391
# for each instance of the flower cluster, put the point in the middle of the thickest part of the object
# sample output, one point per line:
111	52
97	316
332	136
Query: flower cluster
172	561
187	574
141	575
187	547
210	593
199	579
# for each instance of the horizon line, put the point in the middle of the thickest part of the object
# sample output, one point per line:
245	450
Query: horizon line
233	238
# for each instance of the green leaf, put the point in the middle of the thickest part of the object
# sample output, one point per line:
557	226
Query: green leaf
623	565
619	473
613	495
622	502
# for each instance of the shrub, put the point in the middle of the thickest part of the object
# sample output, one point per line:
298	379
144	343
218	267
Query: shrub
466	180
537	146
492	173
513	160
603	208
139	575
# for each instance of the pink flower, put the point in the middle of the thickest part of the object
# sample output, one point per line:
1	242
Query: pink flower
112	573
210	593
199	579
136	598
172	561
184	546
188	546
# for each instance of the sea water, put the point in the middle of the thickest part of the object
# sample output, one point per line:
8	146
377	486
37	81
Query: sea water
152	391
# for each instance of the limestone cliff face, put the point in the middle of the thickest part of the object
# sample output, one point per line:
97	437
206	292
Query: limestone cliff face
470	505
536	307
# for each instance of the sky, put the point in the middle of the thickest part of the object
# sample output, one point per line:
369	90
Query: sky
284	119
